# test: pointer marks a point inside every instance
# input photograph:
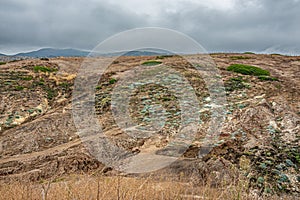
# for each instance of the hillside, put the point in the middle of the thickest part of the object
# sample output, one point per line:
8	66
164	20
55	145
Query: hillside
259	139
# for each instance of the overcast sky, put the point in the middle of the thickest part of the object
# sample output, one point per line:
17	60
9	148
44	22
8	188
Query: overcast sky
218	25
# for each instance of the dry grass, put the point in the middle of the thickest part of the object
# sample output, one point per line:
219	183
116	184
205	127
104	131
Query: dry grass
102	187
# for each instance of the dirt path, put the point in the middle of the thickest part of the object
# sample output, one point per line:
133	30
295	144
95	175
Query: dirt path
54	150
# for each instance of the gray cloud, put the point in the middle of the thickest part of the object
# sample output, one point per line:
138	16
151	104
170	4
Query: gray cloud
247	25
61	23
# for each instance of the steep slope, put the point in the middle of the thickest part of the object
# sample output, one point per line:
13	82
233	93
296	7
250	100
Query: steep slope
260	136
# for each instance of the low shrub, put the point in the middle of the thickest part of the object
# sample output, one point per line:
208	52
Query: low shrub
239	58
50	93
164	56
267	78
39	68
27	78
236	83
19	88
151	63
248	70
112	81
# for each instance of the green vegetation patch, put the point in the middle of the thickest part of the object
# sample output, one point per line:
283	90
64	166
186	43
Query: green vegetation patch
27	78
239	57
19	88
50	93
8	83
248	70
248	52
65	85
98	87
2	63
164	56
151	63
112	81
39	68
236	83
267	78
297	157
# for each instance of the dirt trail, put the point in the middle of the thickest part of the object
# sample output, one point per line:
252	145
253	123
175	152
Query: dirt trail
54	150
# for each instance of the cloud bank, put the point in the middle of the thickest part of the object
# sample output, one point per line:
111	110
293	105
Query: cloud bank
218	25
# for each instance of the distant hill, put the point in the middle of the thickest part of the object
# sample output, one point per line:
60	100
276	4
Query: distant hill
150	52
53	52
141	53
50	52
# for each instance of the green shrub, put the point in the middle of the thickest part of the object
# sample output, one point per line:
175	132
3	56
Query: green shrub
7	83
19	88
163	56
27	78
50	93
112	81
65	86
298	159
267	78
98	87
248	70
2	63
236	83
239	57
151	63
248	52
39	68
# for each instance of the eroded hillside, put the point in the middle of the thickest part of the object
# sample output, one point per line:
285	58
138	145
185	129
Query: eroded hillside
260	137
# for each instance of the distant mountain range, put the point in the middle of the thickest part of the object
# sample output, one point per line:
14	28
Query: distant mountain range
51	52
